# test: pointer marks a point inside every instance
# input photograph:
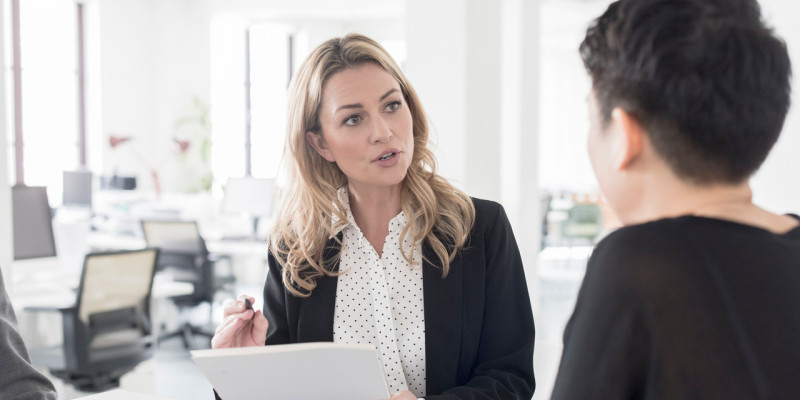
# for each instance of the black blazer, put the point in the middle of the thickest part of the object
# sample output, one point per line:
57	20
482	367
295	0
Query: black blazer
479	329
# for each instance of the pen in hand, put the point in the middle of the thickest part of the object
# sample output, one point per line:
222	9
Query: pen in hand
249	306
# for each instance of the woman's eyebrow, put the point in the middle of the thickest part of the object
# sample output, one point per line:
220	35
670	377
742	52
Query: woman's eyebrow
359	105
388	93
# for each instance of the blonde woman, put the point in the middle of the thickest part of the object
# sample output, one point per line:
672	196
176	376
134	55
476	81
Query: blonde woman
372	246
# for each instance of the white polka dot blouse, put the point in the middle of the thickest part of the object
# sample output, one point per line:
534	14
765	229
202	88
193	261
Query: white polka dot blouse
379	301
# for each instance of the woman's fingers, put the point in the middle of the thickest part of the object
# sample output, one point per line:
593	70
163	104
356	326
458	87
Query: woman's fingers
231	331
236	306
259	330
241	326
232	318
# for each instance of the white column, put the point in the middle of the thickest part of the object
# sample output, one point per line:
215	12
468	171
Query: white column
454	61
6	236
484	105
520	123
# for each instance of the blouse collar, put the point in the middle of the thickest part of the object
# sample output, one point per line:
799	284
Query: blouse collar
396	224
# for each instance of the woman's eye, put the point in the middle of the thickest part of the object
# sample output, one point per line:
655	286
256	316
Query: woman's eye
393	106
352	120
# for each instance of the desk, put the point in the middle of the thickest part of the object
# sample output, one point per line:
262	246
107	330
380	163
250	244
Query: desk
247	257
50	283
105	241
47	282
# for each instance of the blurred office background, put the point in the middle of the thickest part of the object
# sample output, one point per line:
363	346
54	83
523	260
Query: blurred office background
174	111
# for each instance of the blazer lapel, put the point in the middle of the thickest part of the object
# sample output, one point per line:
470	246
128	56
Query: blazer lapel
315	316
443	320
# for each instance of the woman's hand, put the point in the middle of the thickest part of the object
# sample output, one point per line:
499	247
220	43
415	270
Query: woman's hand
241	326
403	395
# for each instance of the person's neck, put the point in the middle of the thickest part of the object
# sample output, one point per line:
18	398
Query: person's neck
667	196
373	209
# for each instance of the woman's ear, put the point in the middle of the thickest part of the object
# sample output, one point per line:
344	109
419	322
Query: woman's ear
630	137
318	143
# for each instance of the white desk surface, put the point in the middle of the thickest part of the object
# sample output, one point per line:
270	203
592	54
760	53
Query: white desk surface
225	247
121	394
47	282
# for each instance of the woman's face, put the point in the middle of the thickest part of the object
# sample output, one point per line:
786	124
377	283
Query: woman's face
366	127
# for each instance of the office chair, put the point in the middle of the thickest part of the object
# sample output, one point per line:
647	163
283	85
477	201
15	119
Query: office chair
107	332
185	257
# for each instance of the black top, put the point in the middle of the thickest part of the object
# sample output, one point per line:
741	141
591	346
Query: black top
686	308
479	329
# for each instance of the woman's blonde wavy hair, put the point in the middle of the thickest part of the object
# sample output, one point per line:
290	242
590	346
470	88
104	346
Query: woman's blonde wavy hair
436	211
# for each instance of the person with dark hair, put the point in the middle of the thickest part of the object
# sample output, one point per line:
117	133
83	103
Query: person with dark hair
697	296
19	380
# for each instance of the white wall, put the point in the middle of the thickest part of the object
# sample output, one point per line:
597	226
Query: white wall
6	237
332	10
777	185
127	68
483	98
435	66
154	61
183	73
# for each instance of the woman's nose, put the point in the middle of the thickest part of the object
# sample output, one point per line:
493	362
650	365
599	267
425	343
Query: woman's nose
381	131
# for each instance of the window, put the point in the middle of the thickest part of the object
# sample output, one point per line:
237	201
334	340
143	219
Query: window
49	90
268	61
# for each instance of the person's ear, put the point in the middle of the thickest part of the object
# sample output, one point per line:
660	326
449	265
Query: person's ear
318	143
630	138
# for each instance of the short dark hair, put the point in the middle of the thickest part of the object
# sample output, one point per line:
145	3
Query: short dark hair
707	79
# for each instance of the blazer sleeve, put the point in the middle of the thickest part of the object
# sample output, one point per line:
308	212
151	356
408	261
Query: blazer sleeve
504	363
19	380
275	304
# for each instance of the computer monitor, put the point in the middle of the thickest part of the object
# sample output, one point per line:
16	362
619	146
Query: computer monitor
251	197
33	223
77	188
173	236
116	182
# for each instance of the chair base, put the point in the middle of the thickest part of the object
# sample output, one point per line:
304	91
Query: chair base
89	383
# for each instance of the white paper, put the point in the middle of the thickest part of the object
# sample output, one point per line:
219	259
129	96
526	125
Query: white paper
303	371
